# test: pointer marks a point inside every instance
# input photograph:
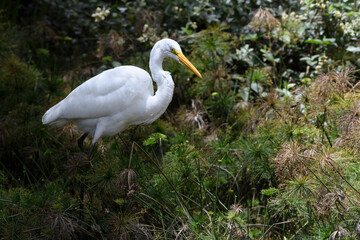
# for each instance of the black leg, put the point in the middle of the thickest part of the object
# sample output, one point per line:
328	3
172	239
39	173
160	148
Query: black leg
81	141
119	135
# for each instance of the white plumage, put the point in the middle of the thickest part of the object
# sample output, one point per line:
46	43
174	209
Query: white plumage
117	98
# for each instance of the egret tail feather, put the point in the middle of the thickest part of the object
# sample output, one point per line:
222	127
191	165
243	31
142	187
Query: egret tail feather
52	116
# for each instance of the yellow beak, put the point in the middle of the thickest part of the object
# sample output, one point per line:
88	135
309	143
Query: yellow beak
187	63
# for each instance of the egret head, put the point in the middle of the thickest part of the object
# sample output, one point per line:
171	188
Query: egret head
173	50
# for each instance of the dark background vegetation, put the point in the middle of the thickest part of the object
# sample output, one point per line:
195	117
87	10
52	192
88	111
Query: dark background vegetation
265	146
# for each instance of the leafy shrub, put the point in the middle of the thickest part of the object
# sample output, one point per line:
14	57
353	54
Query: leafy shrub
263	147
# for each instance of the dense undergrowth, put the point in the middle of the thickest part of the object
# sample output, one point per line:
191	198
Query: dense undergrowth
265	146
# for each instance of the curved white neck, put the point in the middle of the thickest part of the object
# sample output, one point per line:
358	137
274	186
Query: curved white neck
165	85
155	64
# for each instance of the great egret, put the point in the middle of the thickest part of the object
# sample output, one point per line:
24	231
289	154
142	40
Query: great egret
117	98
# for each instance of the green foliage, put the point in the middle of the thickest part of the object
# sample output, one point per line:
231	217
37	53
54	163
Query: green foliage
265	146
154	138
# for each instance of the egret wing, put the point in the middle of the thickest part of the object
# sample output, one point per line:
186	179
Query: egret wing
108	93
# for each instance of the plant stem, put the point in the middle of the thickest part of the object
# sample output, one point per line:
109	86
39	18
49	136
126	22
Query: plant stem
167	180
324	130
303	162
345	179
200	186
131	153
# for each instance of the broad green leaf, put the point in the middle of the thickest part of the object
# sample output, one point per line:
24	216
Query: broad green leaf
154	139
315	41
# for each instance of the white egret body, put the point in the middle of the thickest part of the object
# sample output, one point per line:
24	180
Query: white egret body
117	98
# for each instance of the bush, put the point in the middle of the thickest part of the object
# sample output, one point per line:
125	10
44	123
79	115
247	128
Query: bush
263	147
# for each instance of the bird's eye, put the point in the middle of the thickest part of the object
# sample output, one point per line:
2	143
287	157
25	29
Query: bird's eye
173	51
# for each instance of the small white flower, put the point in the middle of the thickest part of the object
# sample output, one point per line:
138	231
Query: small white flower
337	14
193	25
196	11
284	16
100	14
